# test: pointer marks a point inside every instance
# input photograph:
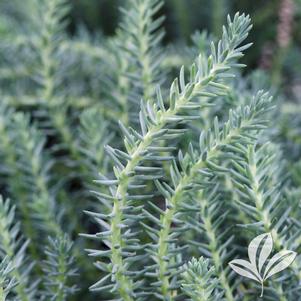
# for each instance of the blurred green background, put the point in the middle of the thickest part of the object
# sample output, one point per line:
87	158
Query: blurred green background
274	21
184	17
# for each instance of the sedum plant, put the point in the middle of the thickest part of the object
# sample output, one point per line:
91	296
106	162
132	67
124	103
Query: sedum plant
158	178
7	282
199	282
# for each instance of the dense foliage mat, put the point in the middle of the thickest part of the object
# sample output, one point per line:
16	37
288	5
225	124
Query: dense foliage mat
137	169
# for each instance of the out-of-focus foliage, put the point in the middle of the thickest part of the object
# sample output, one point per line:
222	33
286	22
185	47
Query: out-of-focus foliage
135	139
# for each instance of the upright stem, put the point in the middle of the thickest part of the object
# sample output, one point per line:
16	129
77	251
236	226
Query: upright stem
170	212
15	182
213	245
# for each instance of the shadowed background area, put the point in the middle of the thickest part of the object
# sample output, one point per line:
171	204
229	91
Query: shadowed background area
275	32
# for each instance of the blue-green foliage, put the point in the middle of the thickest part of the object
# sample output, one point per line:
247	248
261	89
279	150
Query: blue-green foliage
199	281
7	282
116	163
58	268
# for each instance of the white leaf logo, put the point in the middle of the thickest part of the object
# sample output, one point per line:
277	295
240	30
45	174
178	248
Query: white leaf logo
259	251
